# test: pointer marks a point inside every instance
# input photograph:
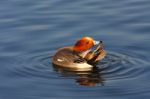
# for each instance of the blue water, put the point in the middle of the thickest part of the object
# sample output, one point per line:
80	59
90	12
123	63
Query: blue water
32	30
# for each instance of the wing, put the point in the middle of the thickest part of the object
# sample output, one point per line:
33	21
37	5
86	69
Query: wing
66	56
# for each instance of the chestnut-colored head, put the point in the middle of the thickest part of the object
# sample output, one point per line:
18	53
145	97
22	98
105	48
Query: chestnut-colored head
84	44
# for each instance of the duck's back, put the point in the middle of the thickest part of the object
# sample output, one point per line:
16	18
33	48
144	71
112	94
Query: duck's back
66	56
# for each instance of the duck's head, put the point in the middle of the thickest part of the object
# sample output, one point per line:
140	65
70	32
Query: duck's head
84	44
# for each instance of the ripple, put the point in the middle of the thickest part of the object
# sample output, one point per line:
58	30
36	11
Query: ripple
119	66
116	67
33	66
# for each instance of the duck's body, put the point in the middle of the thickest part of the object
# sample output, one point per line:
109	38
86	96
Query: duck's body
68	57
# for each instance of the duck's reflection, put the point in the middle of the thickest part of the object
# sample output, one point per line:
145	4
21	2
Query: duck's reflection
90	78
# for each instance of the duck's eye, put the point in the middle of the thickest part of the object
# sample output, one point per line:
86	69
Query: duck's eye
87	42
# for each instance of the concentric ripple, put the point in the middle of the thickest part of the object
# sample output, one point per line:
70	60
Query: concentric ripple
115	66
120	66
35	65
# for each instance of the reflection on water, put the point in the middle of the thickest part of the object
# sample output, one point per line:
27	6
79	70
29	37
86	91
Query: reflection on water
114	66
90	78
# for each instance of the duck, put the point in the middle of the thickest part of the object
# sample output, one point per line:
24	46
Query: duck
80	56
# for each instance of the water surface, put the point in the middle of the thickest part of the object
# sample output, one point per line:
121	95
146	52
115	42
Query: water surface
32	30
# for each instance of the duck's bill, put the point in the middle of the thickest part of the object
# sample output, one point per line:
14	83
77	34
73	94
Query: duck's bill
96	42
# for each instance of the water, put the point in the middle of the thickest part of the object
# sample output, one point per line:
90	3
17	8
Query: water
32	30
